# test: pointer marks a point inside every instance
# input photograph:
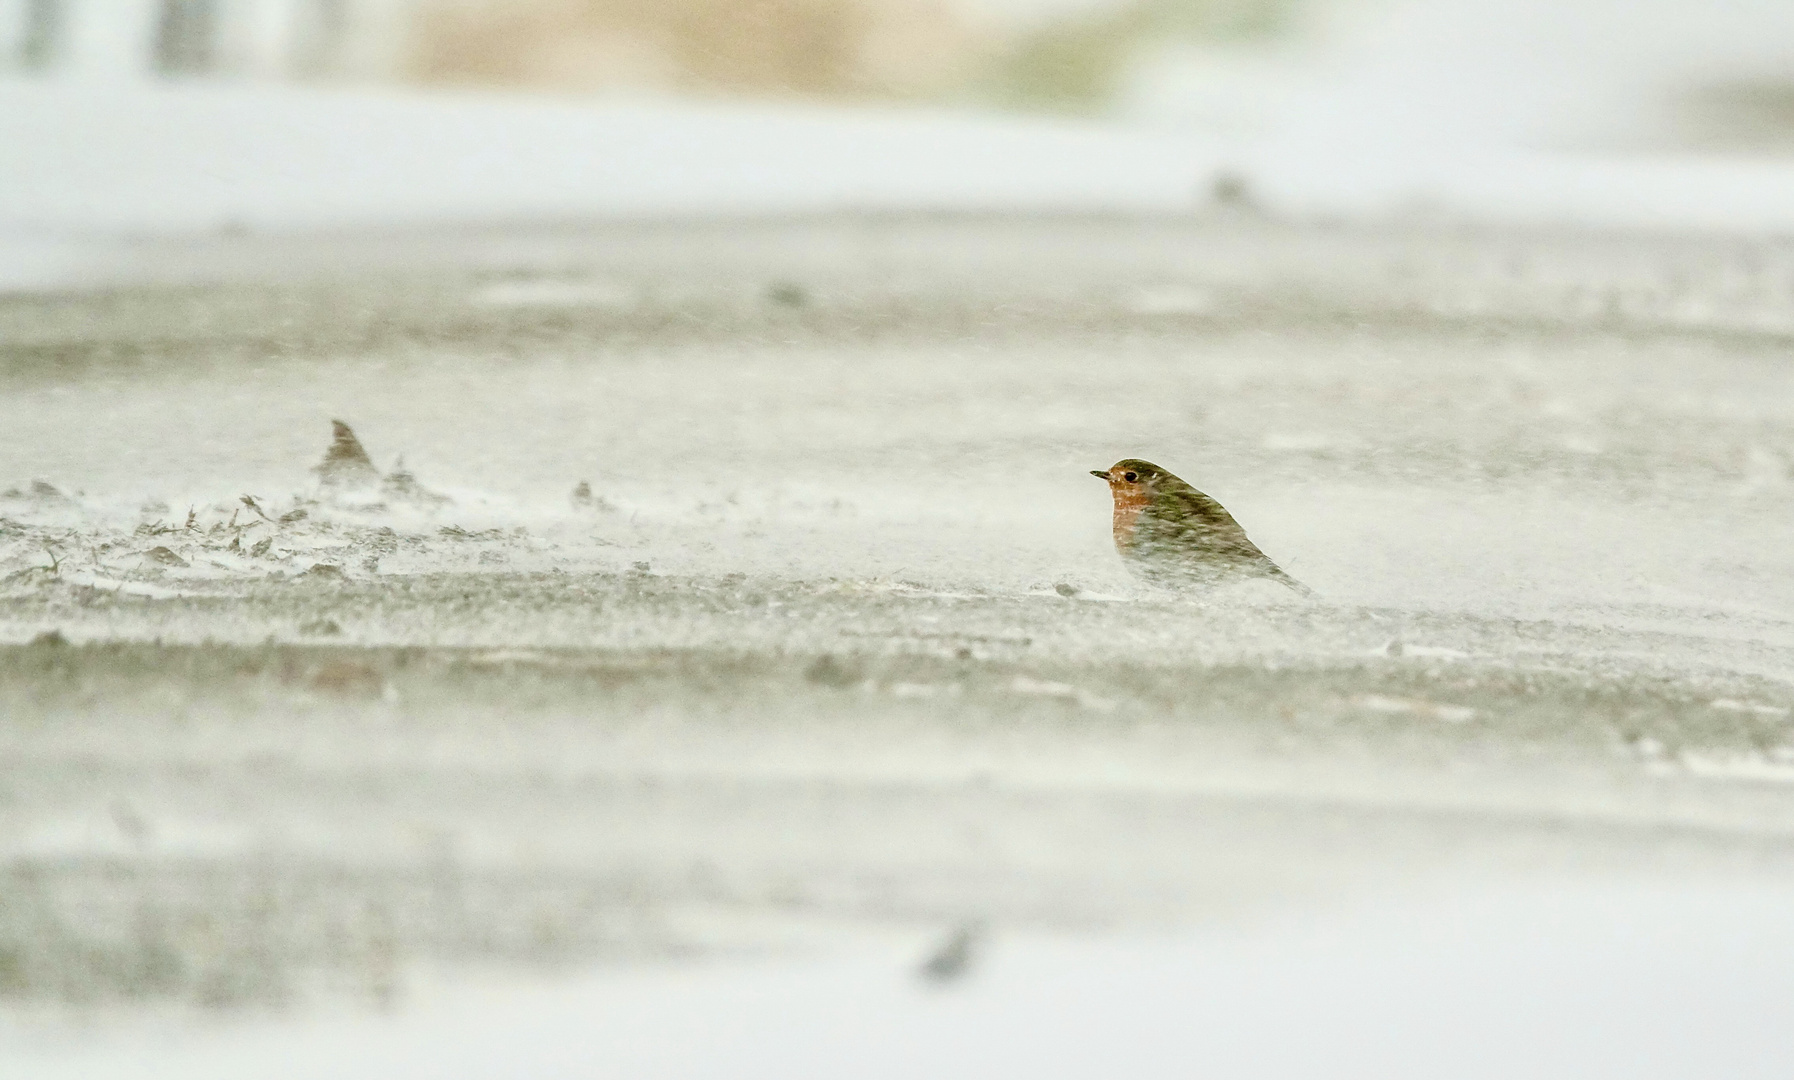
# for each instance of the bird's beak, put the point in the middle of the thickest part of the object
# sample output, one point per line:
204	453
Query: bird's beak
1101	474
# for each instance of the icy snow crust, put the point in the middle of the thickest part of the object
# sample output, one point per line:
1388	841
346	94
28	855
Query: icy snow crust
834	637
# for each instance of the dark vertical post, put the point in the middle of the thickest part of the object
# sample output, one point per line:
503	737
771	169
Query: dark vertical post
43	34
185	37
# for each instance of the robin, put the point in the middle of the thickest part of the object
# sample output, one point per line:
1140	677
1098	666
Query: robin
1171	535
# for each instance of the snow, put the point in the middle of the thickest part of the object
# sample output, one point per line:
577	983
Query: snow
162	158
1614	980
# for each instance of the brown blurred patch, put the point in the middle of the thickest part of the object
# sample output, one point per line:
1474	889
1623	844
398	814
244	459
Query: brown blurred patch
815	48
350	678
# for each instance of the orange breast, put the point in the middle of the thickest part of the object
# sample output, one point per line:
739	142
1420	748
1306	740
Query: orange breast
1128	505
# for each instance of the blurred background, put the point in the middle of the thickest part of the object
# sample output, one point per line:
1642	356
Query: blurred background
1648	75
1636	113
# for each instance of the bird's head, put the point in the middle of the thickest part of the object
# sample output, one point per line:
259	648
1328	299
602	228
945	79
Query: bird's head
1133	478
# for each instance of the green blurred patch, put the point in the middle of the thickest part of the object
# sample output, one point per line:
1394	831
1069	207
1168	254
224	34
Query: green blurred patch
1077	64
878	49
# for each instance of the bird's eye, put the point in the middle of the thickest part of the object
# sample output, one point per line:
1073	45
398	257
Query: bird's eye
1130	477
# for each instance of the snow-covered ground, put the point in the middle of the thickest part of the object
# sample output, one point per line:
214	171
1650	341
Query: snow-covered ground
837	650
97	162
159	158
1647	983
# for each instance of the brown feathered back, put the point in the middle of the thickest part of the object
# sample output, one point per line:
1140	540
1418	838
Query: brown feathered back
1175	535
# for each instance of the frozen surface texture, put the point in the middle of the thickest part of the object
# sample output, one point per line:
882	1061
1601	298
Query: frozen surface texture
742	588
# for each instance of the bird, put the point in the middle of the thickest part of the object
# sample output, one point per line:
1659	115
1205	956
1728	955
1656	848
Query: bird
1173	536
